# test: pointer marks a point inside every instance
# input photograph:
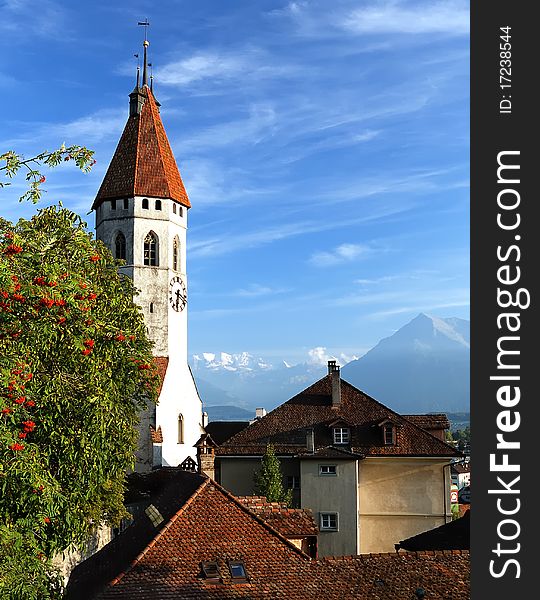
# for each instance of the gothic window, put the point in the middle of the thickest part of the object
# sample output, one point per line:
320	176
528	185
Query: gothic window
176	254
158	204
180	429
151	250
145	203
120	246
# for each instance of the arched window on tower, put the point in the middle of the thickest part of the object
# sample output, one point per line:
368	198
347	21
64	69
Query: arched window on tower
176	254
120	246
151	250
158	204
180	429
145	203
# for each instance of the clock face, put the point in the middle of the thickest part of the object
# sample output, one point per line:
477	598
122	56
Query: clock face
177	294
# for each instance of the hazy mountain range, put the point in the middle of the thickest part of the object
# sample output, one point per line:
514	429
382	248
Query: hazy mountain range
422	367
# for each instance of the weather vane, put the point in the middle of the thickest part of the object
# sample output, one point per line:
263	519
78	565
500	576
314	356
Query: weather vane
145	24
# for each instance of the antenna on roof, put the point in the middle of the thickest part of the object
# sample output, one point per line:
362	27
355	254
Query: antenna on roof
146	43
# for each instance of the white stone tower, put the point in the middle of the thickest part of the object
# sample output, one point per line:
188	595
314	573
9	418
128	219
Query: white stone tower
141	215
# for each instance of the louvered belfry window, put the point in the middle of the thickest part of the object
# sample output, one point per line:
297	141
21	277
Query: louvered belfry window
151	257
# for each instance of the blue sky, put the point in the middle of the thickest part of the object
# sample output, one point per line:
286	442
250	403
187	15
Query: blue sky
324	146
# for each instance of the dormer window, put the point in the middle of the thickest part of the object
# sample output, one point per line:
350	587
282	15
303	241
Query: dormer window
341	435
389	435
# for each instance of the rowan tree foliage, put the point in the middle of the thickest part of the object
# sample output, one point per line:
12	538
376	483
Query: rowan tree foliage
269	478
75	370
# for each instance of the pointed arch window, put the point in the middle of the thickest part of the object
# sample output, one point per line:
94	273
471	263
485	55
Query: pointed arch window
151	250
120	246
180	429
176	254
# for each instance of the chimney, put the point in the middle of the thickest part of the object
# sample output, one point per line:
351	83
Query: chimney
260	413
310	440
334	371
204	420
206	455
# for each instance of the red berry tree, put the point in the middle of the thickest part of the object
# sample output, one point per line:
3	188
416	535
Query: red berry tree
72	343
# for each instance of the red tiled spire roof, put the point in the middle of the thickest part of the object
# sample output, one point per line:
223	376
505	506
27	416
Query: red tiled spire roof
143	163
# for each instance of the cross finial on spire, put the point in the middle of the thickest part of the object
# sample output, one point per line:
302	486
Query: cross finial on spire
146	43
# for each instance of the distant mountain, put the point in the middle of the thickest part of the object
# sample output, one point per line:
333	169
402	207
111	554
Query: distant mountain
229	413
422	367
246	381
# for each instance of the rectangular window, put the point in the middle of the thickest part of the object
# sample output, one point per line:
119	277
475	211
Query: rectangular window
341	435
113	204
327	469
329	521
388	435
293	482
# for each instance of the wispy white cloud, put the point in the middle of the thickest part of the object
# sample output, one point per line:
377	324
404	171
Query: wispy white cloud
218	66
450	17
341	254
259	123
19	17
256	290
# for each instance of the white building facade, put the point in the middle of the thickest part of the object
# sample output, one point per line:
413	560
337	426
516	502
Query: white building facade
141	216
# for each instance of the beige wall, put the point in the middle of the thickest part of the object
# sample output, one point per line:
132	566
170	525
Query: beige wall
326	493
399	498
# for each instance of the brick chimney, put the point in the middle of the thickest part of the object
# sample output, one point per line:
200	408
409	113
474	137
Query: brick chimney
206	455
310	440
334	371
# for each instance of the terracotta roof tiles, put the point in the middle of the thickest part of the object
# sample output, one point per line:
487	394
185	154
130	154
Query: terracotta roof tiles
143	163
203	522
286	427
291	522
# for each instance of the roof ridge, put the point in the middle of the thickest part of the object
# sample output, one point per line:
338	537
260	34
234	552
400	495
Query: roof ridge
393	555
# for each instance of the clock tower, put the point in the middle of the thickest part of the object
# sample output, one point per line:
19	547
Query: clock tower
141	215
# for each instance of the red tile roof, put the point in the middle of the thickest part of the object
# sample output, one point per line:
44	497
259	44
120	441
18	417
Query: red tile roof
143	163
161	363
441	574
156	435
435	421
290	522
203	522
286	427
